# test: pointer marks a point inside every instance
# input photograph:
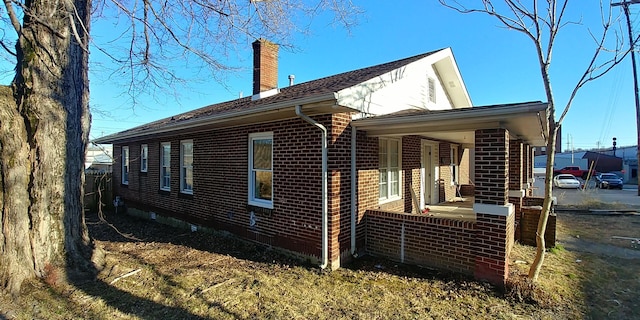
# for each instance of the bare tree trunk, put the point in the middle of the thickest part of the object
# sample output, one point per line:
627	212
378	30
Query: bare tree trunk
44	127
538	261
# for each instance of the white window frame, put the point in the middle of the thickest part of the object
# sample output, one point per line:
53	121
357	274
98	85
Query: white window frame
184	188
431	87
163	186
144	157
251	177
389	169
125	165
454	163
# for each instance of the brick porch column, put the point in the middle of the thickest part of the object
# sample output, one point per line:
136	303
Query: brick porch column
494	214
516	177
528	169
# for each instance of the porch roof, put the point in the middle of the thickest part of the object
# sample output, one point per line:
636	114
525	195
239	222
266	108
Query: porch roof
526	121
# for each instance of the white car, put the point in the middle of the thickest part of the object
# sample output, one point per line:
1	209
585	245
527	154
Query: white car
566	181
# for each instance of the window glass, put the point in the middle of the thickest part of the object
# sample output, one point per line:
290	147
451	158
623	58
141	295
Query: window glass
261	169
186	160
165	166
389	168
125	165
144	157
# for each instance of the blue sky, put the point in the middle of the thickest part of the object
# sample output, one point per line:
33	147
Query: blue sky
498	66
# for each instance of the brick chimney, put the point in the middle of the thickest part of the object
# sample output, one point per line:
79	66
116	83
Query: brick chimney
265	66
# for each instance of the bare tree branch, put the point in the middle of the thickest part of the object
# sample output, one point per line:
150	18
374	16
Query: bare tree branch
13	17
7	49
529	21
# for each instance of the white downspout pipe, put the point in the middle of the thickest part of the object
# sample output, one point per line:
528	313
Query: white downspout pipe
354	185
325	202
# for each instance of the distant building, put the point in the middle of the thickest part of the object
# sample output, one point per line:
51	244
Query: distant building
599	161
98	158
538	151
629	156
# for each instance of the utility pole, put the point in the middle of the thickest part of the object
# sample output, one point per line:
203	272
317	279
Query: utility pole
625	5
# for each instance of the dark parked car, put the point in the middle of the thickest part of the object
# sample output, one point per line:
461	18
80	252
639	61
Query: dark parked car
608	181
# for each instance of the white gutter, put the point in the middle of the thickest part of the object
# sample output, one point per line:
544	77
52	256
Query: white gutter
325	202
354	176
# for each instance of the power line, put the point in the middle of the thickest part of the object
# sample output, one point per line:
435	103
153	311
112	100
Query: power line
625	6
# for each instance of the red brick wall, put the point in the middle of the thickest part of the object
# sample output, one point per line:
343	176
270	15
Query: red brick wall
265	62
368	178
418	239
494	239
219	197
491	166
515	165
528	227
411	163
339	166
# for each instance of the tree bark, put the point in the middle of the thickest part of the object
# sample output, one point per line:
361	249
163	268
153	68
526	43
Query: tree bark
44	126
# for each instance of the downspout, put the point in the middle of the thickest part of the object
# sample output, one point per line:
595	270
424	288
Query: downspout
325	202
354	175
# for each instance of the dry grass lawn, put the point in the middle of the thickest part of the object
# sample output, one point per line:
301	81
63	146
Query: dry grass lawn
159	272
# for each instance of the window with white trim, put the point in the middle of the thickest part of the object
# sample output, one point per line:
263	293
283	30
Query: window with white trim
261	169
125	165
389	169
432	89
144	158
454	164
186	166
165	166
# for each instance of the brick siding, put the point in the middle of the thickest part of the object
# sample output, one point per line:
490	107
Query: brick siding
422	240
220	186
528	227
491	185
220	183
411	165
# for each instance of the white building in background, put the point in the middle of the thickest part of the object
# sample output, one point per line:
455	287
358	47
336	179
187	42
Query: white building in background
99	158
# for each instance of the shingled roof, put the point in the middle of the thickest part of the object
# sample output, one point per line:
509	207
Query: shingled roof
319	87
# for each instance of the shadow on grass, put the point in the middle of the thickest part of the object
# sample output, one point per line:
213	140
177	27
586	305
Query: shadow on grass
124	228
133	229
133	305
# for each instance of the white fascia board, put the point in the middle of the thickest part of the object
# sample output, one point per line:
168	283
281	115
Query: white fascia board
445	64
471	115
200	121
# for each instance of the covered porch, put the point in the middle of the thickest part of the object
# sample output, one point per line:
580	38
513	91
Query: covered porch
449	162
445	220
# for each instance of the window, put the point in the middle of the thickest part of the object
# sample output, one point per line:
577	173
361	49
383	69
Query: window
389	169
165	166
144	157
261	169
125	165
186	166
454	163
432	90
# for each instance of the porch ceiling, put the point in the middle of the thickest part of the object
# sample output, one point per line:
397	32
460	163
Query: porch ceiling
526	121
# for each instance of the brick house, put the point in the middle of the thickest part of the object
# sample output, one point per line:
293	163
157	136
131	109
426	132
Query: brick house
344	165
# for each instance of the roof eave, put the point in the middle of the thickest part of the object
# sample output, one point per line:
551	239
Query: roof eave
216	118
466	119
